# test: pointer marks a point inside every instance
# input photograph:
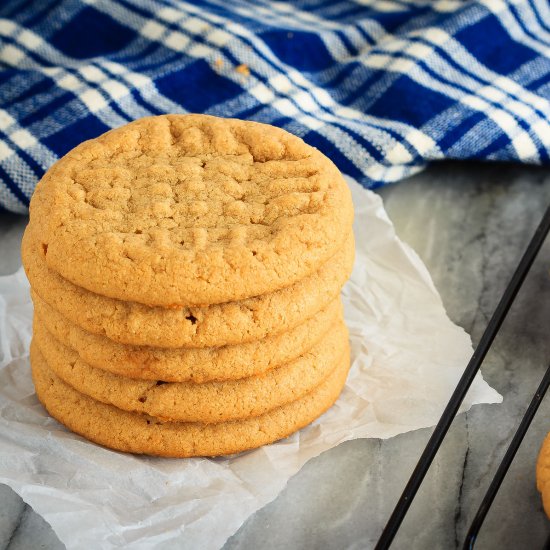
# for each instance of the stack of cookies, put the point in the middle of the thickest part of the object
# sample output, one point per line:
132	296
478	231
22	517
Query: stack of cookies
186	272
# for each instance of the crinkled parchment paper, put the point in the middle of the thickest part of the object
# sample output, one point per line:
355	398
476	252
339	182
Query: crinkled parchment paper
407	357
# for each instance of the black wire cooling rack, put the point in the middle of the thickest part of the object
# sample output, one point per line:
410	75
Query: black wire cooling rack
442	427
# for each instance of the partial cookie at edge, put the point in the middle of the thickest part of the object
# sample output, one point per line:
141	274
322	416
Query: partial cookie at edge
543	474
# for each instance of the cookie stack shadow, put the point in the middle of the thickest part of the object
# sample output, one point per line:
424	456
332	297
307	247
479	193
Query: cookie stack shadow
138	373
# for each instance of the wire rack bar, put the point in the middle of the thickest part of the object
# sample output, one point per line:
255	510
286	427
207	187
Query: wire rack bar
442	427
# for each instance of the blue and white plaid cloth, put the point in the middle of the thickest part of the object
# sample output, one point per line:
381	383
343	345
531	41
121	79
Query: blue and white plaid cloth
381	87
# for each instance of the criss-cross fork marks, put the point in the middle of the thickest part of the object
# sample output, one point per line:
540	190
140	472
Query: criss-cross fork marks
166	194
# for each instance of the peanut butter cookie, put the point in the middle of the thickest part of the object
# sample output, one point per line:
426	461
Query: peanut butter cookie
190	402
142	434
216	325
191	210
543	474
188	364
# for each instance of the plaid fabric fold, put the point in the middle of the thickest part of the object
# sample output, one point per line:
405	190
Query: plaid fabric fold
381	87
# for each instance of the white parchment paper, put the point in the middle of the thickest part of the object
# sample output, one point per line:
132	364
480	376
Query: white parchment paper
407	357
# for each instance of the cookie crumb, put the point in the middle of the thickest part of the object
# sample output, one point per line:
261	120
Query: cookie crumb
243	69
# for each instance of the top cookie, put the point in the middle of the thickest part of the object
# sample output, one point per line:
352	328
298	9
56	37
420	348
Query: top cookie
191	210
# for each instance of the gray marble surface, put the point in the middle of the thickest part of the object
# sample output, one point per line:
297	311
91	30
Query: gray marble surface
470	224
